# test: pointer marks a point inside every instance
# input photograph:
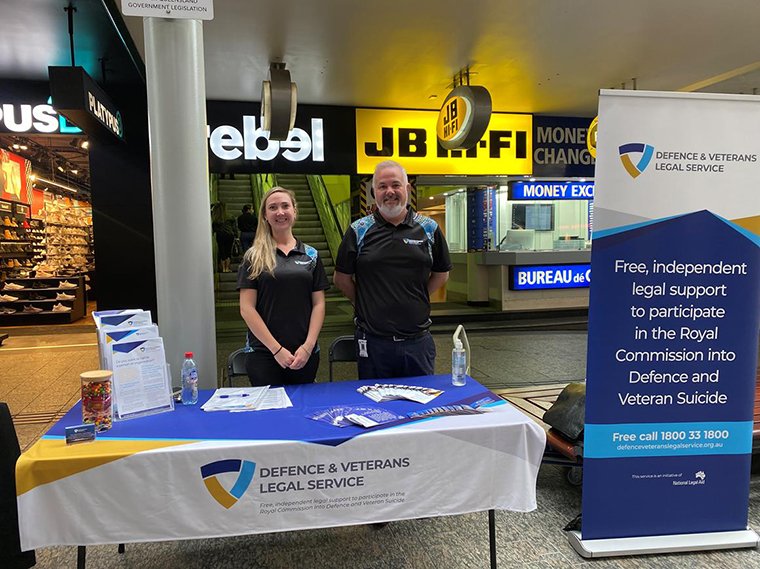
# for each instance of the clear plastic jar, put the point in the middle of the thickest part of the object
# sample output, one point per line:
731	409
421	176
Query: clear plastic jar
96	398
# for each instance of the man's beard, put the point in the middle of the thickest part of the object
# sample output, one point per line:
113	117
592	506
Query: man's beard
391	210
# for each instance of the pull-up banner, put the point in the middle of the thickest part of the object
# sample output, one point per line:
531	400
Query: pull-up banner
674	315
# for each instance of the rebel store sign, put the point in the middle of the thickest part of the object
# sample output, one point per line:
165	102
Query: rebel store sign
322	141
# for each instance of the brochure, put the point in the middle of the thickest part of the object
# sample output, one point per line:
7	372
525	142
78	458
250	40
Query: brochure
120	320
141	384
445	410
364	416
237	399
388	392
128	335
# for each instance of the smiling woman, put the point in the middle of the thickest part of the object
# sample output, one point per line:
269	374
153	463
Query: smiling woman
281	282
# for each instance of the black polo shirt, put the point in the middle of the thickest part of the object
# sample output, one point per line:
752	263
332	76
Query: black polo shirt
391	266
284	299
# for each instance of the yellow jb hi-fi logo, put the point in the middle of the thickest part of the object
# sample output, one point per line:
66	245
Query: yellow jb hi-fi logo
409	137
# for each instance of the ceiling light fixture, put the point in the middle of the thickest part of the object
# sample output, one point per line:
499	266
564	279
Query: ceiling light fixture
54	183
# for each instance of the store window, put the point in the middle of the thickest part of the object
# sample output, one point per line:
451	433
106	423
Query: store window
541	225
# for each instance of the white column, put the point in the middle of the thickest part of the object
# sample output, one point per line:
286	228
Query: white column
181	204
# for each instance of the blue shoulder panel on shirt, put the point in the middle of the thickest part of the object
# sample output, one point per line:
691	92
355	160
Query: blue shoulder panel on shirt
428	224
360	227
311	252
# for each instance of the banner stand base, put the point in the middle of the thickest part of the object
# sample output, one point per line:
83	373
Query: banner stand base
662	543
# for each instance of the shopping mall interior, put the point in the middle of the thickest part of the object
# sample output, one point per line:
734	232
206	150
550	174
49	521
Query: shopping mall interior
97	213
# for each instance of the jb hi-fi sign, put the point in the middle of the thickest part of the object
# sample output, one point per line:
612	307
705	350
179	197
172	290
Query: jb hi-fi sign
410	137
322	141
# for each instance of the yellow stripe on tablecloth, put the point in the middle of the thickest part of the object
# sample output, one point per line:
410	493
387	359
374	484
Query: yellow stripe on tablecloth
49	460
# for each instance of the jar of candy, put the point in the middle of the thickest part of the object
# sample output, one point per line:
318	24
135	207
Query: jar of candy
96	398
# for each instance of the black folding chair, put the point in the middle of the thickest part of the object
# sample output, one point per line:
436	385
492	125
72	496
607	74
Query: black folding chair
236	365
341	350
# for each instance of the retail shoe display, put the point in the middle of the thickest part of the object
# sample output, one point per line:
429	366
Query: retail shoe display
66	284
6	220
31	309
43	275
4	310
13	286
61	308
7	234
8	298
38	284
64	296
38	296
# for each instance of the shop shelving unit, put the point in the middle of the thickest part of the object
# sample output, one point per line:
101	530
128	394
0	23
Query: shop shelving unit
47	287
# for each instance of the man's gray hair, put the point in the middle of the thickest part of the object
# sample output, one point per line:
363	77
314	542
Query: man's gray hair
390	164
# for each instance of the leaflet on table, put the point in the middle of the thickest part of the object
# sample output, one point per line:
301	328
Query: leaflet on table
445	410
111	337
364	416
388	392
141	384
237	399
275	398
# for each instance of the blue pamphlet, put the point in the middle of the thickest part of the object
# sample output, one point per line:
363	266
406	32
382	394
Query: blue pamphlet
345	415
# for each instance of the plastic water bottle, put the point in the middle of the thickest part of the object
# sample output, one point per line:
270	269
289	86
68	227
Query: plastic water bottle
189	380
458	364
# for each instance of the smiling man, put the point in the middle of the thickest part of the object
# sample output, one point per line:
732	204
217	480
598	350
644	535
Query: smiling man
388	265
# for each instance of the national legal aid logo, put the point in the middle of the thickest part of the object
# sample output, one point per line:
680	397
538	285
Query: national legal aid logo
210	473
638	151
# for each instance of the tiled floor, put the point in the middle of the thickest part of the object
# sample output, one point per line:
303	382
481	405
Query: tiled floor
39	377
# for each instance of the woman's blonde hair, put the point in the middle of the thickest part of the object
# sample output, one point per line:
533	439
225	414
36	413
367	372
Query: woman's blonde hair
261	255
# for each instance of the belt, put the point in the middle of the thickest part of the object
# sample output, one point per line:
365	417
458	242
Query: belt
395	337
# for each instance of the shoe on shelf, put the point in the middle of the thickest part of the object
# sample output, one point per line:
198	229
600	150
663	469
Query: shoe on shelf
13	222
7	310
61	308
13	286
7	235
16	263
66	284
64	296
43	275
8	298
29	309
7	221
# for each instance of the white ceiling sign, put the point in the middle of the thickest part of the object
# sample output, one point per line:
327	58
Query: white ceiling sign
179	9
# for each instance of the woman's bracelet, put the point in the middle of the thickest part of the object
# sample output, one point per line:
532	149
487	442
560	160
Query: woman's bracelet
278	351
305	350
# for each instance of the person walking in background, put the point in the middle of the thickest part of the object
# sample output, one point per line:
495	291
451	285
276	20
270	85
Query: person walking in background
224	231
388	265
246	223
282	300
